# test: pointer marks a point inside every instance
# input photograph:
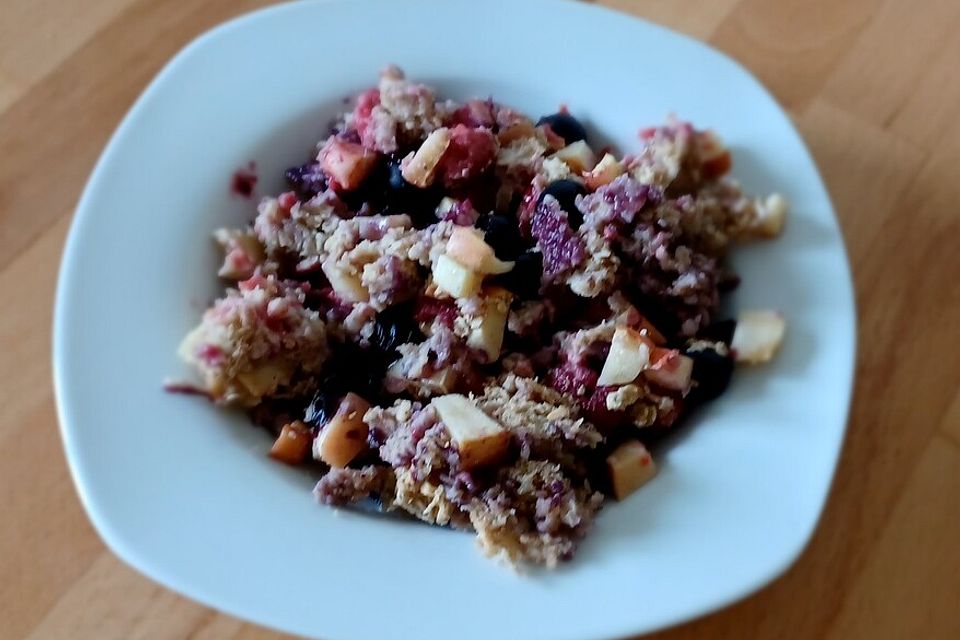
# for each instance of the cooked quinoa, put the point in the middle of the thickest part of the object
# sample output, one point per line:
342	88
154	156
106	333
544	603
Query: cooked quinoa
478	320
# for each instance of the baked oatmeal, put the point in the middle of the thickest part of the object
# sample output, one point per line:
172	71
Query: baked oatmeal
481	320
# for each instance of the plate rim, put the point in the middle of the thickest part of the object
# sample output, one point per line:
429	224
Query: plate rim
105	525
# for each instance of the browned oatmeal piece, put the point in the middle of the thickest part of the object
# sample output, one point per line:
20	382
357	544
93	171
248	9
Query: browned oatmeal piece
478	319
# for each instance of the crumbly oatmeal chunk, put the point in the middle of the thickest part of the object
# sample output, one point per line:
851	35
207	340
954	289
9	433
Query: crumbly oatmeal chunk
534	513
255	340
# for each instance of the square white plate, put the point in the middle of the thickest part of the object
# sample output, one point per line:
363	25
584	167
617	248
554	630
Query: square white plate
183	491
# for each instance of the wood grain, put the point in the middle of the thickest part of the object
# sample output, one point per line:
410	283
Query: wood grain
872	84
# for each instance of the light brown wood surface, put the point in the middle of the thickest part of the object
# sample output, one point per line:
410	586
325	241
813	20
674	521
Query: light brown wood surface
874	86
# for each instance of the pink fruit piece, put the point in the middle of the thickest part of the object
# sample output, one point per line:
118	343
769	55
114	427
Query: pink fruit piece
475	113
470	153
562	249
347	163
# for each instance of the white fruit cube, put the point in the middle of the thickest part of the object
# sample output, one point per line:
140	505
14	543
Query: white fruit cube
455	279
669	369
606	171
345	436
487	335
771	216
629	354
467	246
265	378
630	467
418	169
345	282
758	336
480	439
578	156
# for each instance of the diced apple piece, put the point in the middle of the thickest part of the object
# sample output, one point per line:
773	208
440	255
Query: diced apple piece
455	279
715	158
345	283
265	378
669	369
758	336
630	467
480	439
242	253
647	329
578	156
606	171
293	444
348	163
521	129
419	168
629	354
345	436
445	206
771	216
488	335
467	246
442	381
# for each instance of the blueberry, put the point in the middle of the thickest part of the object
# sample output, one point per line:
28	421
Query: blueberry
565	126
503	234
719	331
322	406
711	372
402	197
307	180
396	180
566	192
525	277
393	327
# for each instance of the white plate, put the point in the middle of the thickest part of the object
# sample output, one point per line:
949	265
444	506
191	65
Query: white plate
184	493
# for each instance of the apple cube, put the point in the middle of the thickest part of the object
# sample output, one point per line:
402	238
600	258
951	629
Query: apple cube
647	329
771	216
715	158
516	131
345	436
348	163
455	279
242	253
578	156
606	171
758	336
467	246
669	369
629	354
419	168
630	467
265	378
480	439
345	282
293	444
488	334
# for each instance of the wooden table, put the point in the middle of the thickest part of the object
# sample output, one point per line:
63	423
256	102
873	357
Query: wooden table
875	89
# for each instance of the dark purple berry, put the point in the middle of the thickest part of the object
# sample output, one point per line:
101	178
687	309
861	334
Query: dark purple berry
565	126
719	331
566	192
503	234
524	279
321	408
711	373
393	327
402	197
307	180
